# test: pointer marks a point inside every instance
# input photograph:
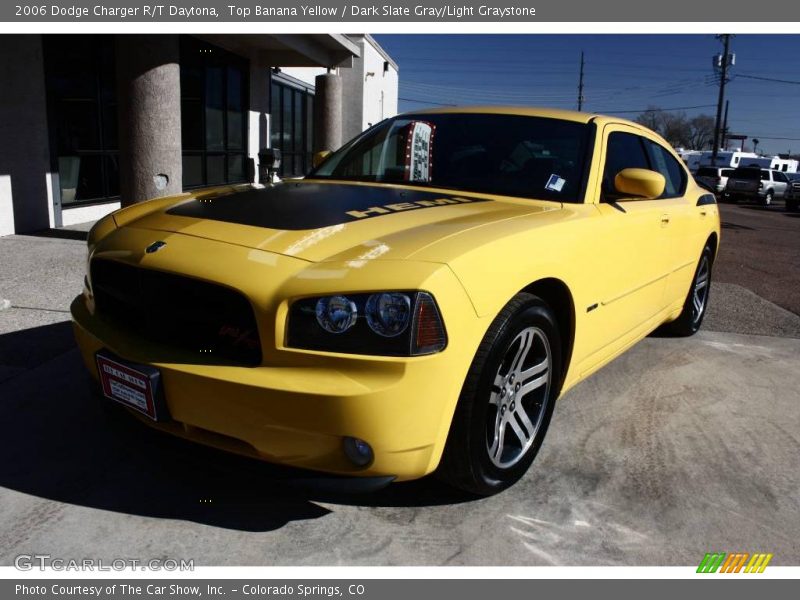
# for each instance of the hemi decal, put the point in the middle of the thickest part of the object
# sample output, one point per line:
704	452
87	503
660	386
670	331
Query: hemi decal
374	211
311	205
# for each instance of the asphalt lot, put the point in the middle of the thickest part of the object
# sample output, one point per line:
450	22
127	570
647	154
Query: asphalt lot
679	447
761	252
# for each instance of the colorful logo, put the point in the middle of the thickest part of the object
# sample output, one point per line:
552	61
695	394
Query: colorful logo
734	562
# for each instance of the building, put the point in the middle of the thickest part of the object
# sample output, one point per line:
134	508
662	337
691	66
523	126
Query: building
89	122
370	84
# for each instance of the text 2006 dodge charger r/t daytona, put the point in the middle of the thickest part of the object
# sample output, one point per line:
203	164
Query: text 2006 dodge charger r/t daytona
418	302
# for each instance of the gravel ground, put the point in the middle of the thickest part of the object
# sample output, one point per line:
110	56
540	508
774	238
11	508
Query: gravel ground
736	309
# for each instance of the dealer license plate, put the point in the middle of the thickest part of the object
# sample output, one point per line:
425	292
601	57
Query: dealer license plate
135	386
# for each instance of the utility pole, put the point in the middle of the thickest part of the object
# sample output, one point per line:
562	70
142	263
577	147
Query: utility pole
723	62
580	86
725	127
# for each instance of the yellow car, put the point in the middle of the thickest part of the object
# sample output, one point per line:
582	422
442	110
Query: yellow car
417	303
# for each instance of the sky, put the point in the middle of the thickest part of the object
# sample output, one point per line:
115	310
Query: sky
623	75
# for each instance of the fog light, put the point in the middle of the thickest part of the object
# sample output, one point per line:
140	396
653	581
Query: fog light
358	451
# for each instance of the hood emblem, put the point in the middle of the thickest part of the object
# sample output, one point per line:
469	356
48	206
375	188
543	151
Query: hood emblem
155	247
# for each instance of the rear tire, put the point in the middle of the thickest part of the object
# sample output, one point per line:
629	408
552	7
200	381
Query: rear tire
791	205
696	304
767	200
507	400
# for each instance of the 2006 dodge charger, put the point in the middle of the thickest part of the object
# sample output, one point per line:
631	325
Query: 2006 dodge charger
417	303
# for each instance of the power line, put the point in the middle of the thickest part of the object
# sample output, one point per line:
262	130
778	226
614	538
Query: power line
614	112
768	79
424	101
766	137
655	109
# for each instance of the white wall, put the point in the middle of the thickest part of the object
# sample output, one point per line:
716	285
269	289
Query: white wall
84	214
380	87
6	206
304	74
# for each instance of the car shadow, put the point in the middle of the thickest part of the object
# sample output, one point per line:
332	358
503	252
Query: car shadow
59	441
760	207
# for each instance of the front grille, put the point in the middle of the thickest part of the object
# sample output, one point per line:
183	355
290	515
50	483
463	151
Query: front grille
213	321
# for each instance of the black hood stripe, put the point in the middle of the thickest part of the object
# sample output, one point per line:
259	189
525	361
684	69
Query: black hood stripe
296	206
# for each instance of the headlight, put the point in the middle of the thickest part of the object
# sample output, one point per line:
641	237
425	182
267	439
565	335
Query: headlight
388	314
392	323
336	314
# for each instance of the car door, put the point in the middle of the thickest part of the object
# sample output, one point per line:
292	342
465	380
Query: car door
781	182
681	214
632	246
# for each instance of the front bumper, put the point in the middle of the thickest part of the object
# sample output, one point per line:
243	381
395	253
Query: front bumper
297	412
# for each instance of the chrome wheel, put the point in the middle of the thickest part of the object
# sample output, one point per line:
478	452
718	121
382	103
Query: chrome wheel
517	402
700	290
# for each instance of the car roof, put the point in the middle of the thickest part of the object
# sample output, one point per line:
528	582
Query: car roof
528	111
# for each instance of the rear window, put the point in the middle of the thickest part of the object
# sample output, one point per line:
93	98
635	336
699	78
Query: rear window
750	174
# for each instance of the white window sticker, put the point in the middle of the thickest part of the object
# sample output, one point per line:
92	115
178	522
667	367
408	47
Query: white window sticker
419	151
555	183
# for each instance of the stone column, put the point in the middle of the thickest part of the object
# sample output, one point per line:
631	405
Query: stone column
328	112
149	101
24	145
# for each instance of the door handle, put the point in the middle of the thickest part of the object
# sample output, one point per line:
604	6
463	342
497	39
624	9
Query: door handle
664	220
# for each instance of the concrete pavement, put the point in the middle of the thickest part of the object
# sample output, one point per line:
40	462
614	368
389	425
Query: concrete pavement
678	447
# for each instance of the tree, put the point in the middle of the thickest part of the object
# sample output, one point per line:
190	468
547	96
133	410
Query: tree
675	129
701	132
679	130
650	118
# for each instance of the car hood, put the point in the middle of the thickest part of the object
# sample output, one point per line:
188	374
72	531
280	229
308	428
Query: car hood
322	221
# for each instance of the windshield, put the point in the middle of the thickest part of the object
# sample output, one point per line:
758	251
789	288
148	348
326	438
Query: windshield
511	155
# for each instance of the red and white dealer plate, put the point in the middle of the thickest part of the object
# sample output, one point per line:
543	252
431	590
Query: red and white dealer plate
132	386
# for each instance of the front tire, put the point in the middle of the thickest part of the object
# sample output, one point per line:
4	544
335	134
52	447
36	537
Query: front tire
507	400
696	303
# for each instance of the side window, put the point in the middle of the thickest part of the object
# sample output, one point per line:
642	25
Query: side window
663	162
625	151
764	175
779	176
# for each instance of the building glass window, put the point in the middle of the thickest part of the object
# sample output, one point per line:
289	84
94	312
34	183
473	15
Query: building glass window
82	113
213	108
291	124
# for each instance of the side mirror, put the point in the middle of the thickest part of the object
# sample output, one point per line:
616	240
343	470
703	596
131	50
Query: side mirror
640	183
319	157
